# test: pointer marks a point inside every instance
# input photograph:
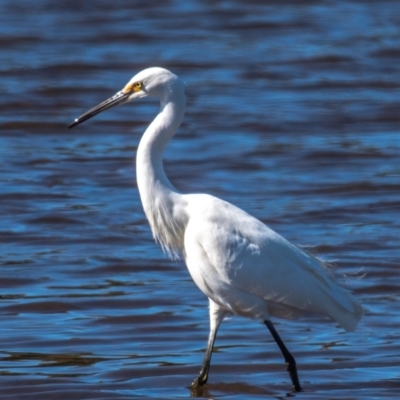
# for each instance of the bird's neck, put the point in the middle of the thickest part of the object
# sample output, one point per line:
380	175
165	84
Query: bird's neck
162	203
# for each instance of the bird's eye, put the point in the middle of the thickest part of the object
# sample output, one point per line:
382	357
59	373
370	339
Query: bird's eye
137	86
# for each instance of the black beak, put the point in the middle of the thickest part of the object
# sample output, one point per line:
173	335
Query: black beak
118	98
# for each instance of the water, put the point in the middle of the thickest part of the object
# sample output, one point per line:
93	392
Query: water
293	115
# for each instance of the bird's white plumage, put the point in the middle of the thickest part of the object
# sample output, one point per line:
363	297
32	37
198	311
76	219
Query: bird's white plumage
240	264
250	270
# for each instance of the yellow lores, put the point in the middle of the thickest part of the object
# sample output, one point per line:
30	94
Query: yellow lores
132	87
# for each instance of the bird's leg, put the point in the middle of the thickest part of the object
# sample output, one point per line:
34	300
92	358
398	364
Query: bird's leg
203	375
217	314
290	361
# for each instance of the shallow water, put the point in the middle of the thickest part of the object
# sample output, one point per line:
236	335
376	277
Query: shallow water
293	115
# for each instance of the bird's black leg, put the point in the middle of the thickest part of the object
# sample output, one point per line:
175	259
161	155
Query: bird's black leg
290	361
203	375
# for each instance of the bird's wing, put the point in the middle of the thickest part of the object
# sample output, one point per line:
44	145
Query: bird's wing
247	255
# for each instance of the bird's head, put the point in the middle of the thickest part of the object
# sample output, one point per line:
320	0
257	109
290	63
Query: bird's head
158	82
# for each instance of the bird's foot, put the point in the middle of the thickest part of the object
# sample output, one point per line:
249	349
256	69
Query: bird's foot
200	380
291	368
297	389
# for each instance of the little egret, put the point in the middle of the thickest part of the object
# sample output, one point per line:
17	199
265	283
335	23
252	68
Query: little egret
240	264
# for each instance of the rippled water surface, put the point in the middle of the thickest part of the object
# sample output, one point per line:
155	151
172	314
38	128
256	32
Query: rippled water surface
293	115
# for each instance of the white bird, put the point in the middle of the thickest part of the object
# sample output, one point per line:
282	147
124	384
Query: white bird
240	264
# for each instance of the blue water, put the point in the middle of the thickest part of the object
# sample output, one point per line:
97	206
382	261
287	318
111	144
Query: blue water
292	114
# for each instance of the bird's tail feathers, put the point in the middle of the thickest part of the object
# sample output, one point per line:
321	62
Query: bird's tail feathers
349	316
